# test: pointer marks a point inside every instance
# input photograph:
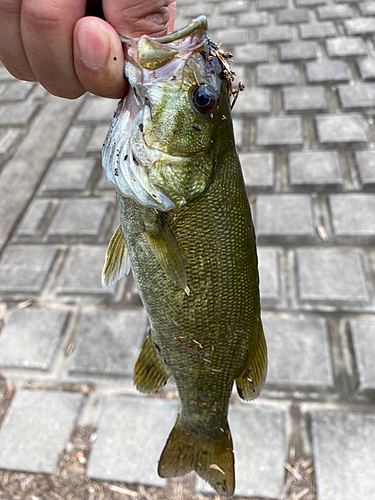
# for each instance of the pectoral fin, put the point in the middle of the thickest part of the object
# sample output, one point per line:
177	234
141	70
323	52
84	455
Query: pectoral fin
117	262
251	381
167	252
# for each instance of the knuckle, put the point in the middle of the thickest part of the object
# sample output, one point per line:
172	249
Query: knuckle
44	14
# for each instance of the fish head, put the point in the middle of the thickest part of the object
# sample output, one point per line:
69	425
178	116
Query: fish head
160	148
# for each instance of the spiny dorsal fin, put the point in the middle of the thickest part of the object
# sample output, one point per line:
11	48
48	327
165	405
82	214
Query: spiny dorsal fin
117	262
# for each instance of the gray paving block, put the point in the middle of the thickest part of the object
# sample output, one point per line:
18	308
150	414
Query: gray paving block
218	22
366	165
276	74
304	98
238	131
318	30
70	174
251	54
346	47
73	140
82	272
235	36
298	351
233	7
325	71
367	8
292	16
353	214
97	109
36	428
24	269
253	19
253	101
297	51
33	219
269	34
366	67
342	446
8	139
131	435
317	168
309	3
357	96
259	443
194	10
279	131
18	113
363	336
96	141
30	337
360	26
258	169
284	215
269	272
335	12
15	91
271	4
79	217
109	343
340	128
331	276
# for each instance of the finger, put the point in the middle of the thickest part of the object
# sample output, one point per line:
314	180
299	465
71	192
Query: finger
47	31
12	53
99	58
172	15
134	18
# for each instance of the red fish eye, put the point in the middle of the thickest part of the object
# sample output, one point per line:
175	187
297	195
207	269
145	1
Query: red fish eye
203	98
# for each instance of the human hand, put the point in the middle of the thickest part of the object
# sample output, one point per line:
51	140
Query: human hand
56	43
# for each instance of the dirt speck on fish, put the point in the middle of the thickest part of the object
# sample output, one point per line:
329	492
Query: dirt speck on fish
186	230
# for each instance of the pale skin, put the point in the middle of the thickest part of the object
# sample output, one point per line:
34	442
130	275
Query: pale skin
56	42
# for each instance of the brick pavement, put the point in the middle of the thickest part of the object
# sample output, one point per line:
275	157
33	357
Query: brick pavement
305	132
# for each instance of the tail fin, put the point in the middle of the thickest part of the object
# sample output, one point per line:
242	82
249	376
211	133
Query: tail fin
211	458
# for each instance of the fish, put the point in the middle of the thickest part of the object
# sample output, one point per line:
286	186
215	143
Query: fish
186	232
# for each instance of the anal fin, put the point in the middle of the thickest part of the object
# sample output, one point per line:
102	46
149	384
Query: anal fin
250	382
150	371
117	262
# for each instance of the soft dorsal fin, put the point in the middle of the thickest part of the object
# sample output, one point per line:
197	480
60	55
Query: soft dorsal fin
117	262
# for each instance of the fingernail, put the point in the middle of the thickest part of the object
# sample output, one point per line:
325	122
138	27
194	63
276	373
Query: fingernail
93	47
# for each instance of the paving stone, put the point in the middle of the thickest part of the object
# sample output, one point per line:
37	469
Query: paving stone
79	217
353	214
253	101
367	8
24	269
360	26
97	139
103	184
82	272
259	443
253	19
195	10
238	132
36	428
16	91
341	443
30	337
276	74
97	109
284	215
218	22
271	4
327	71
18	113
73	140
271	34
34	218
279	131
234	7
318	30
297	51
291	16
340	128
70	174
240	75
131	435
309	3
331	276
357	96
316	168
269	272
363	336
109	343
366	67
251	54
366	165
298	351
335	12
346	47
237	36
304	98
258	169
8	140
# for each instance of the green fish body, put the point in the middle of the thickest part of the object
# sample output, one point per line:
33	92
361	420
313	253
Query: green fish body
186	228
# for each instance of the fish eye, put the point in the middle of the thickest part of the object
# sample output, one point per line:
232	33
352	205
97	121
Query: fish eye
204	98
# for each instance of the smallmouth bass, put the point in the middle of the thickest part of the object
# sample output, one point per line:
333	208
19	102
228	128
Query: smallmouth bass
186	230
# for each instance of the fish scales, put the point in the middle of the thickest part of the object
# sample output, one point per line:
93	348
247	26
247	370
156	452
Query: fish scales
186	228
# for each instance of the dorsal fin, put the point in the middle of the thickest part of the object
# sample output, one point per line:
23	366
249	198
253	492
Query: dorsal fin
117	262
